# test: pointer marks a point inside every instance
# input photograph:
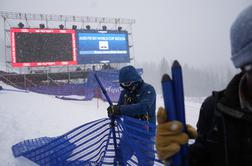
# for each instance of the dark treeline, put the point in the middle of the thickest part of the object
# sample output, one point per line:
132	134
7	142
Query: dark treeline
197	82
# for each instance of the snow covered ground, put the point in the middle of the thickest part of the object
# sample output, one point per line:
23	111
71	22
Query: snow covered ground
26	115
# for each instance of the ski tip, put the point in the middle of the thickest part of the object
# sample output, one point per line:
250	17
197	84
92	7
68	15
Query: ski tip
176	64
166	77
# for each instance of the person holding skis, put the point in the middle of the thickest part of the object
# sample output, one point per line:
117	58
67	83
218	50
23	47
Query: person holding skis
224	128
137	100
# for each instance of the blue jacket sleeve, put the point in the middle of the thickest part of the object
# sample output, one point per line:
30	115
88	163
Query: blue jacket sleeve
144	105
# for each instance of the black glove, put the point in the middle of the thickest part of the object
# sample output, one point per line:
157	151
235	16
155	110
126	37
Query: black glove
113	110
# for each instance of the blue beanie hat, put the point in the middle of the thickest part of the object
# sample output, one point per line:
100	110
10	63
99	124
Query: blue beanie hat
241	38
129	74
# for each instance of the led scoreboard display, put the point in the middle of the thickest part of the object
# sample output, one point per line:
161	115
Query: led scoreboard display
96	46
43	47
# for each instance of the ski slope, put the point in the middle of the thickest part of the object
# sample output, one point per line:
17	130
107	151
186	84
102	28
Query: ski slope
26	115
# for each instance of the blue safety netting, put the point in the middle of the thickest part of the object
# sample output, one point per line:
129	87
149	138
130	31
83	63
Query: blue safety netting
127	141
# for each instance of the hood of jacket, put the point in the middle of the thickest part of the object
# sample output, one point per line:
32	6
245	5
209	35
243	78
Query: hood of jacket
129	74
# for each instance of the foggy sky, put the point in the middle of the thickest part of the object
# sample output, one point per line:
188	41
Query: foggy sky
194	32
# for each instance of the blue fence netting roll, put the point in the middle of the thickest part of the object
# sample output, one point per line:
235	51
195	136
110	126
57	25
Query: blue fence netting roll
93	144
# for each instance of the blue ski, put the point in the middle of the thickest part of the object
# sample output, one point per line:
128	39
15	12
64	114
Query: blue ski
169	103
177	80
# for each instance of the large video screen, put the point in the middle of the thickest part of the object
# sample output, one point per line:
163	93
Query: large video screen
43	47
96	47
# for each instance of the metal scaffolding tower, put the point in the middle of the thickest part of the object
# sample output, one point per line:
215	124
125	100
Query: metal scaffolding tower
31	20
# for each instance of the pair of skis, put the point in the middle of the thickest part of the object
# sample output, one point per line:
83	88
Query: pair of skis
173	94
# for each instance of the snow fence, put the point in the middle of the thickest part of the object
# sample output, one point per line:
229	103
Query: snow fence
127	141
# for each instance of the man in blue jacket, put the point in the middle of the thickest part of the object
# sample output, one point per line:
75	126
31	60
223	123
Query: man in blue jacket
137	100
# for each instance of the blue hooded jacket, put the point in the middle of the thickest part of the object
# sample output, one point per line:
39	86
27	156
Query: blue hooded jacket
144	96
